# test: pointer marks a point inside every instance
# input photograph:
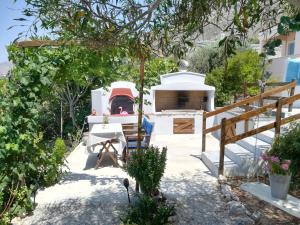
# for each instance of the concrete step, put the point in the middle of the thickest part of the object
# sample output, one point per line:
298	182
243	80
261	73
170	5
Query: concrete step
211	160
244	158
266	136
254	145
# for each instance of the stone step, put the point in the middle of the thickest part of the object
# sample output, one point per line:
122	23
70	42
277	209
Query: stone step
266	136
254	145
211	160
241	156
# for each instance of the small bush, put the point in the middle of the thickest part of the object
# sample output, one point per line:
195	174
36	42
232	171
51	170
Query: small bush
147	211
55	164
287	147
20	205
148	167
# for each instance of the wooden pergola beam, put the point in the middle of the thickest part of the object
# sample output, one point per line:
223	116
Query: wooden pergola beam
40	43
93	44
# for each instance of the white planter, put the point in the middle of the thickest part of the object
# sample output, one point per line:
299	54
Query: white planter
279	185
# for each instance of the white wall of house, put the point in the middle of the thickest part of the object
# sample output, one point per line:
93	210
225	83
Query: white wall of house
278	63
297	44
182	77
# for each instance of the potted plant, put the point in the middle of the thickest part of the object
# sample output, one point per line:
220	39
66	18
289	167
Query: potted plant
279	175
105	120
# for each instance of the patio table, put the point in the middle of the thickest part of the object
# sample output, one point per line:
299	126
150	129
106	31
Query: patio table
104	134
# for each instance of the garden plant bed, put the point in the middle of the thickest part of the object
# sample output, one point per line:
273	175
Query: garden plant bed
270	215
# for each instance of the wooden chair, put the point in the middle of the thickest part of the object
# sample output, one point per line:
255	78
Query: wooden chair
131	136
129	129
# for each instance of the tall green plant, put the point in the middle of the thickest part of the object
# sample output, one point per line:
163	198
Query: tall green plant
148	168
55	162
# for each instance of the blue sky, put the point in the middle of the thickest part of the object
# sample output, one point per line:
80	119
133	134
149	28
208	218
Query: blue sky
8	12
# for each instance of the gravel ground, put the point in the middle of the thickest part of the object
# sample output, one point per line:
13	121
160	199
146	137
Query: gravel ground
270	215
87	196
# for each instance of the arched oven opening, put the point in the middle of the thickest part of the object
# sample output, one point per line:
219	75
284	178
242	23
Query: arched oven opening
121	101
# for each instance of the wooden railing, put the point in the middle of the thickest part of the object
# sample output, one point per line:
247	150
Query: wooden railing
246	86
227	126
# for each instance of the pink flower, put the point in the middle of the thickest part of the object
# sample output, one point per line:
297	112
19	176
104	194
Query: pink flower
275	159
267	168
287	162
285	166
265	157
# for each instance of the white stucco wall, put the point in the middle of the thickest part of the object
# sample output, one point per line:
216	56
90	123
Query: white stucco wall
163	122
182	77
278	67
97	101
297	43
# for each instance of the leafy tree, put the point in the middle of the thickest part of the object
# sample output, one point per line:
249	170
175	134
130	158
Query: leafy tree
76	71
83	69
28	110
244	67
24	155
206	58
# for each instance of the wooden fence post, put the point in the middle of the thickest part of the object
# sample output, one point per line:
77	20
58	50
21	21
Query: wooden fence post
278	117
222	146
246	125
204	132
292	92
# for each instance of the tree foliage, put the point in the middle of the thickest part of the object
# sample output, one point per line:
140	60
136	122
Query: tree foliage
25	157
30	157
206	58
244	67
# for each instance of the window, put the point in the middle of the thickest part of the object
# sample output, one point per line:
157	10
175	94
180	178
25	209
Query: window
291	48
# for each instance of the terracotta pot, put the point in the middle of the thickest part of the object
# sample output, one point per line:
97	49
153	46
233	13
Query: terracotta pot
279	185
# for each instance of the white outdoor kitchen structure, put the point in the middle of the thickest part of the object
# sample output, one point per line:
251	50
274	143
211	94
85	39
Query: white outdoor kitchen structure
176	104
179	101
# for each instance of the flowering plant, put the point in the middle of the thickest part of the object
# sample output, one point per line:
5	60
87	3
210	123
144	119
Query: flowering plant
105	119
275	165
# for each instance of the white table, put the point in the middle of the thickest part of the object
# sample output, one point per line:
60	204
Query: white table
100	133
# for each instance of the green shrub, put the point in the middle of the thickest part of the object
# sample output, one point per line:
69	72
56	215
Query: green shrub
20	204
206	58
148	167
244	67
287	147
54	170
147	211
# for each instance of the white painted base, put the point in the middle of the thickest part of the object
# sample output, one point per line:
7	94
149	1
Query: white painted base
291	205
163	122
